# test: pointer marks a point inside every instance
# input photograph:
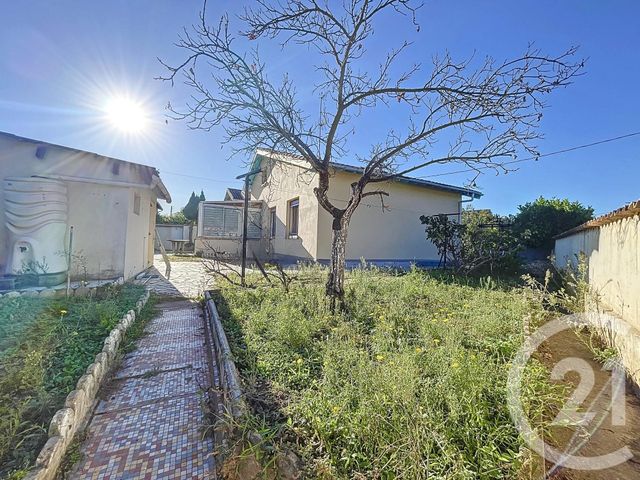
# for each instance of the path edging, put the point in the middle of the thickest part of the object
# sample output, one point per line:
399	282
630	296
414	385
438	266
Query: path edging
233	400
79	404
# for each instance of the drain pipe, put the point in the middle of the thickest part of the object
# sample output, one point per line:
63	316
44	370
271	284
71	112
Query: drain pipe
69	260
460	202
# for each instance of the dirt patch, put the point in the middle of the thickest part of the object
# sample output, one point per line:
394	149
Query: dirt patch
609	436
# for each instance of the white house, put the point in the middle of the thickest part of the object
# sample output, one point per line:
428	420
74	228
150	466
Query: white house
55	196
286	222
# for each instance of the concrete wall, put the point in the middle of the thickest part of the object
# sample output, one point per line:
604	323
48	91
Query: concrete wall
169	232
613	255
231	247
102	215
286	183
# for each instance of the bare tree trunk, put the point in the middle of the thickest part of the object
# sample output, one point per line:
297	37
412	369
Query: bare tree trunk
335	280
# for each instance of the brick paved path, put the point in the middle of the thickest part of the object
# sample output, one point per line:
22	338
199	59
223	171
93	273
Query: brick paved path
149	421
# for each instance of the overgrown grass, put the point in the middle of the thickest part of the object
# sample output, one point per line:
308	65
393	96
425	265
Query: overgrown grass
410	382
49	344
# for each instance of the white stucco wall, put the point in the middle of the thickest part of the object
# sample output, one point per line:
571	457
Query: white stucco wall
393	234
613	255
102	215
286	183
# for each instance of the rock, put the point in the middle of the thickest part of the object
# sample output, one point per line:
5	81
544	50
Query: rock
288	465
51	453
77	401
62	423
82	291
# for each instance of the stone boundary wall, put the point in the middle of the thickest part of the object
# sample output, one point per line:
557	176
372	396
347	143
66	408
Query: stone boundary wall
79	404
60	291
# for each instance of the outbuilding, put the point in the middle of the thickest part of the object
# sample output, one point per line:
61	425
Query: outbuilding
69	210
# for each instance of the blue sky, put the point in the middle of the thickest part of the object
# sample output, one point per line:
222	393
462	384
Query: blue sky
60	62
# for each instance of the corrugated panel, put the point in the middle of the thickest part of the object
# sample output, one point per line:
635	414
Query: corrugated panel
254	226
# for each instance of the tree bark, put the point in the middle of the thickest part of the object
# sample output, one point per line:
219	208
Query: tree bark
335	280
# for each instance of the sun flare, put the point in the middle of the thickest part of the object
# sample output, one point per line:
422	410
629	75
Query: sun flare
126	114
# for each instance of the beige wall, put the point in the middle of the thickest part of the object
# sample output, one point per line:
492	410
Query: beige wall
396	233
613	255
286	183
230	247
102	215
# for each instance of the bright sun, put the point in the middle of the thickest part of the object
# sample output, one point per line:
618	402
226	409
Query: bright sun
126	115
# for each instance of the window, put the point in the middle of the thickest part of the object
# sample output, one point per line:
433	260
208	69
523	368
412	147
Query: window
225	221
136	204
292	217
272	222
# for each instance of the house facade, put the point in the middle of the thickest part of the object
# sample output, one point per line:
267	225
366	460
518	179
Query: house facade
294	227
56	197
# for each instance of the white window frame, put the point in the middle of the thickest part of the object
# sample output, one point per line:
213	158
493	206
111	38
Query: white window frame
291	204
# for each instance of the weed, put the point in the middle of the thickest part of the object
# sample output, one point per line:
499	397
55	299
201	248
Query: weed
408	382
49	346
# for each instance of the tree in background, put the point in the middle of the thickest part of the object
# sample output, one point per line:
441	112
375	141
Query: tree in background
481	112
177	218
538	222
190	210
482	243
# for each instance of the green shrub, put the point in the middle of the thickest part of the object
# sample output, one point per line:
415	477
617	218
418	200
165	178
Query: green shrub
539	221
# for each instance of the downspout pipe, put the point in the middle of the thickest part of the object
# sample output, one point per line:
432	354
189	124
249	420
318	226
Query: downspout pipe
460	202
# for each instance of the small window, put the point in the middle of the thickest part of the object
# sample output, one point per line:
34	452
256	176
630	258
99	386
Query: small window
272	222
136	204
292	227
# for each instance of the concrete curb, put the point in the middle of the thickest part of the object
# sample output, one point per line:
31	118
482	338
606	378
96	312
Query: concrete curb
229	378
79	404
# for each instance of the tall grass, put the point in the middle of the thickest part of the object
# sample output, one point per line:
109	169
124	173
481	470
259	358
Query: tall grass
47	346
409	382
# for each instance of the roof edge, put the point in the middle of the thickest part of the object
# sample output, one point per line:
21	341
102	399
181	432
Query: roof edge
468	192
629	210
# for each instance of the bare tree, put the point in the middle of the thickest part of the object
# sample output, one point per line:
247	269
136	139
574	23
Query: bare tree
490	109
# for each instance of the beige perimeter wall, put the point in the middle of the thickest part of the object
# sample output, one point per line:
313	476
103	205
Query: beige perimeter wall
613	255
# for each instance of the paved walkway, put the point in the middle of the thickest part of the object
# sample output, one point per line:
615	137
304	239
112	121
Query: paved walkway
188	279
149	421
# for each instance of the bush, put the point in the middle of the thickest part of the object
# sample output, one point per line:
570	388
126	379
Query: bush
539	221
177	218
482	243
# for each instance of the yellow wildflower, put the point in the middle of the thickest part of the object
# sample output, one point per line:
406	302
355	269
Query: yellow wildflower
299	361
418	350
436	341
380	357
63	312
455	365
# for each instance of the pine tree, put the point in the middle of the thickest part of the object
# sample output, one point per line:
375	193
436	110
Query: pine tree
190	210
